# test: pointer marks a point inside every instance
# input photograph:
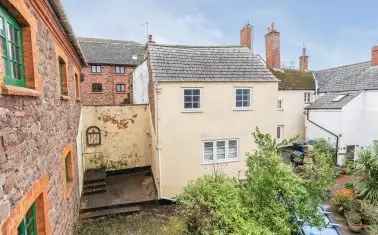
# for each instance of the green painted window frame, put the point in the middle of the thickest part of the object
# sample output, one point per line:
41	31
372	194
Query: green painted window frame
28	225
13	51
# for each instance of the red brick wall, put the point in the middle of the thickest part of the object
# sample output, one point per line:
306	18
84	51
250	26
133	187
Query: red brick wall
246	36
108	78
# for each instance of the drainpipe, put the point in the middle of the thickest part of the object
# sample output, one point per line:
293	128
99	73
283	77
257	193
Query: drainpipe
324	129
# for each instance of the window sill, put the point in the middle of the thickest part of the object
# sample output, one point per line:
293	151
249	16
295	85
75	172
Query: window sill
237	109
221	162
18	91
192	111
280	110
65	97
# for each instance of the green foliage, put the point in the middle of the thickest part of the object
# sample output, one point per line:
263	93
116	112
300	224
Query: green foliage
369	212
319	174
212	205
366	173
353	217
273	193
372	229
349	185
342	200
270	201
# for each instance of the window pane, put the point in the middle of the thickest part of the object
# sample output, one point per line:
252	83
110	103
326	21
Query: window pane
238	103
188	92
221	149
232	149
196	92
245	103
187	99
196	98
196	105
188	105
208	151
239	92
1	26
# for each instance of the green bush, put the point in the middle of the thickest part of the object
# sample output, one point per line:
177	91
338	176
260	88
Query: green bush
366	174
369	212
212	205
349	185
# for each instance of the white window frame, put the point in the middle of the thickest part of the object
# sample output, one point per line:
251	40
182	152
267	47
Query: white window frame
96	68
281	128
215	151
280	106
118	69
243	108
307	97
198	109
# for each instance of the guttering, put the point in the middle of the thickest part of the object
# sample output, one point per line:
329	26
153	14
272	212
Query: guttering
324	129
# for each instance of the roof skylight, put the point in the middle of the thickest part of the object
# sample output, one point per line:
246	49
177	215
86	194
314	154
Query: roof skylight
339	98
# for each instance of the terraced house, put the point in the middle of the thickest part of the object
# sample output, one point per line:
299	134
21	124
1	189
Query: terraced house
346	111
205	102
106	79
40	109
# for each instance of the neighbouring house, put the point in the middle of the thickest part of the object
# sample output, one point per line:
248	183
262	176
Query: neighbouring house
296	89
39	116
106	79
346	110
205	103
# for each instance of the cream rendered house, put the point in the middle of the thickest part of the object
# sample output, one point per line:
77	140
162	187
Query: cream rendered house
296	91
205	103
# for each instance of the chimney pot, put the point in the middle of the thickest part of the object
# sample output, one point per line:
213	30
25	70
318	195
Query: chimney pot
150	40
374	56
246	36
272	47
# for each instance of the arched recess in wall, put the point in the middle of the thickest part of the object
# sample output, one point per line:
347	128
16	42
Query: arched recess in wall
93	136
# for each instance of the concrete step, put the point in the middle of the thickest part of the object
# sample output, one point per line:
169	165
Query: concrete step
109	211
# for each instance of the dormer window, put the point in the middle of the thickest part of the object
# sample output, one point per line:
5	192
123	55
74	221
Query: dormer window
96	68
120	69
12	46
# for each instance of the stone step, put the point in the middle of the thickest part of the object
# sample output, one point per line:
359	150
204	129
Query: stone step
109	211
92	176
89	191
97	184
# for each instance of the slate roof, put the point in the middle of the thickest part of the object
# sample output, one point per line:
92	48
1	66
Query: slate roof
57	7
295	80
326	101
107	51
355	77
206	63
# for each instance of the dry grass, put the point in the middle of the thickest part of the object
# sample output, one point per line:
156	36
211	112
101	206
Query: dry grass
155	221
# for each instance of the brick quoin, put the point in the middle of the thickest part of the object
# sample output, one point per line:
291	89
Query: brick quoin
108	78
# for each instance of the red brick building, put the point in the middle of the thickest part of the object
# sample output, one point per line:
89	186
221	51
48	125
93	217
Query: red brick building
39	115
110	64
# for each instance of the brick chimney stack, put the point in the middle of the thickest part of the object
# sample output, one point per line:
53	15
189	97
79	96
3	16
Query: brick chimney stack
246	36
303	61
374	56
272	46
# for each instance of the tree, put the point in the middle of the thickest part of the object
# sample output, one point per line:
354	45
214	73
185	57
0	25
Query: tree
275	196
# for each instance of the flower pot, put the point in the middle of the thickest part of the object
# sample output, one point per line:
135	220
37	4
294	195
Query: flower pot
356	228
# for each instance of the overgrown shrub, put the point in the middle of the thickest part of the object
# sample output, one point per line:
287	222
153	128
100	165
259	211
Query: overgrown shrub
212	205
369	213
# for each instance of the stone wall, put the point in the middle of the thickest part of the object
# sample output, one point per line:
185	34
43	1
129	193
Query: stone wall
34	131
108	78
126	138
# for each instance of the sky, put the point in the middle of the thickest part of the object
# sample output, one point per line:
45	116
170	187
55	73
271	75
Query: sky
335	32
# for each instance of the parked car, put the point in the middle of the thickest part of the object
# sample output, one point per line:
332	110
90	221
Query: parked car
330	229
